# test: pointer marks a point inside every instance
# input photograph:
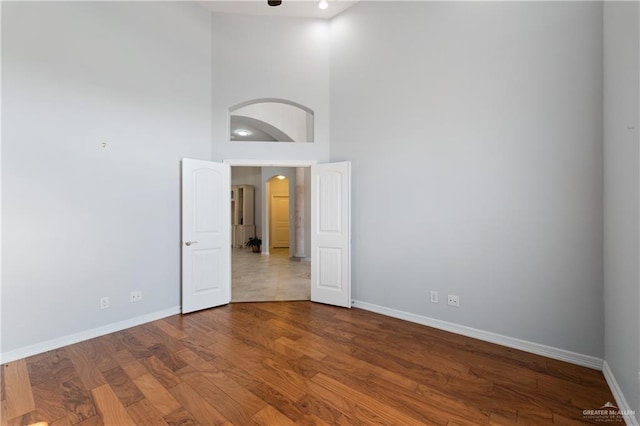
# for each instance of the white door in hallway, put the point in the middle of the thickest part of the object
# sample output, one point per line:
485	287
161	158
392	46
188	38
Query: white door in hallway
206	234
331	233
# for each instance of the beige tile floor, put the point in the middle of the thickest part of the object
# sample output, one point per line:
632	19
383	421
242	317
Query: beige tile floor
257	278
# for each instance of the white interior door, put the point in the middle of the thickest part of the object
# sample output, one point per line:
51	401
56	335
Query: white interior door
331	233
206	234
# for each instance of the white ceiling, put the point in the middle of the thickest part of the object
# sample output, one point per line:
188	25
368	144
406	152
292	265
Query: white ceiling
297	8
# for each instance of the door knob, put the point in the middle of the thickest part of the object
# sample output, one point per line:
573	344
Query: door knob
188	243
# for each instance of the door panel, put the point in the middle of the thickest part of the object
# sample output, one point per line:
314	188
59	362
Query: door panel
206	235
280	220
331	233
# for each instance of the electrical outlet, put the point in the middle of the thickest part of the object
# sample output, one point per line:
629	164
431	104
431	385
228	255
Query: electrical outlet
453	300
135	296
434	296
104	302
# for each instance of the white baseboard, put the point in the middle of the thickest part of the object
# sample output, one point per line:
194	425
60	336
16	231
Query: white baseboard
487	336
621	401
70	339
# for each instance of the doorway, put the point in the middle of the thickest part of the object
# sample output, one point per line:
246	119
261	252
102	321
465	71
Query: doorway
206	231
279	226
274	274
279	212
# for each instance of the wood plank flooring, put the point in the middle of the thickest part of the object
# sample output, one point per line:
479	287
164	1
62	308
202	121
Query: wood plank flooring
285	363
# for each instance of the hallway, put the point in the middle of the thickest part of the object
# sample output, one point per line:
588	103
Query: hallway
257	278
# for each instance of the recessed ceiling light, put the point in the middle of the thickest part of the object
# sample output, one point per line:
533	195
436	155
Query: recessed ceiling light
323	4
242	132
281	177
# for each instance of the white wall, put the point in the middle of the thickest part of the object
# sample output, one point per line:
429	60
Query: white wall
476	150
475	132
621	206
81	221
1	133
265	57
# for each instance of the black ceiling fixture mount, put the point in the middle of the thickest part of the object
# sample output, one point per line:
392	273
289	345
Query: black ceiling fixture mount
274	2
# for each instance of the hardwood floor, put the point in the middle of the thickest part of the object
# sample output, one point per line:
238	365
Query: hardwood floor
285	363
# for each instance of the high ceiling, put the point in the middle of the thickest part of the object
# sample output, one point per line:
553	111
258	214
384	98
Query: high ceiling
297	8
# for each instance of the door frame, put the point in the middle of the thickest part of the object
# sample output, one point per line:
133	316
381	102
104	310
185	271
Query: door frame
268	163
301	163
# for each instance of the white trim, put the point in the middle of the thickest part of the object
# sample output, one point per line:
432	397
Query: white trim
487	336
270	163
621	401
85	335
